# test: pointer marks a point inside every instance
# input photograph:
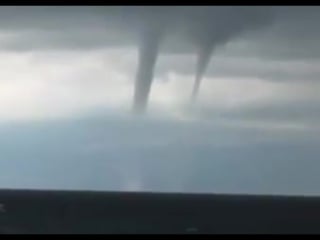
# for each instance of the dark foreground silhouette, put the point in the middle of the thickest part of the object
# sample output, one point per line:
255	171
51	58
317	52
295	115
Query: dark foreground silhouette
24	211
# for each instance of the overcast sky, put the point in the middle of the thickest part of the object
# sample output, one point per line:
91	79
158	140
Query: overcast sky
66	89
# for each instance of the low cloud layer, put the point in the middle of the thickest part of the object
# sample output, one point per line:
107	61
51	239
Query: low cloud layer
57	84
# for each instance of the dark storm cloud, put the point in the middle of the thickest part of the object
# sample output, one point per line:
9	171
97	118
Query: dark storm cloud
81	27
183	23
293	35
295	23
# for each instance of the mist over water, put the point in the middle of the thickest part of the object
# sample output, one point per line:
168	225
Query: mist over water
159	155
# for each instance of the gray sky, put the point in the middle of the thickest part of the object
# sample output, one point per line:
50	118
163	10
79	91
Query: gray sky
66	89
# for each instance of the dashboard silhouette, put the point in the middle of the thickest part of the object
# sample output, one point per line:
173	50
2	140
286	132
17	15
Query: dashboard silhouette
86	212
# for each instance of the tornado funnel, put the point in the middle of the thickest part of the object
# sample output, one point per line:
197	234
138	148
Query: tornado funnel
148	53
204	56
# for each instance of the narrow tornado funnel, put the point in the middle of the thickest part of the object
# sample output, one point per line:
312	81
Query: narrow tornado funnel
148	53
204	56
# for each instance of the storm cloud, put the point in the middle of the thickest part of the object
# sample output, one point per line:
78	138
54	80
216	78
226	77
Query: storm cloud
256	32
